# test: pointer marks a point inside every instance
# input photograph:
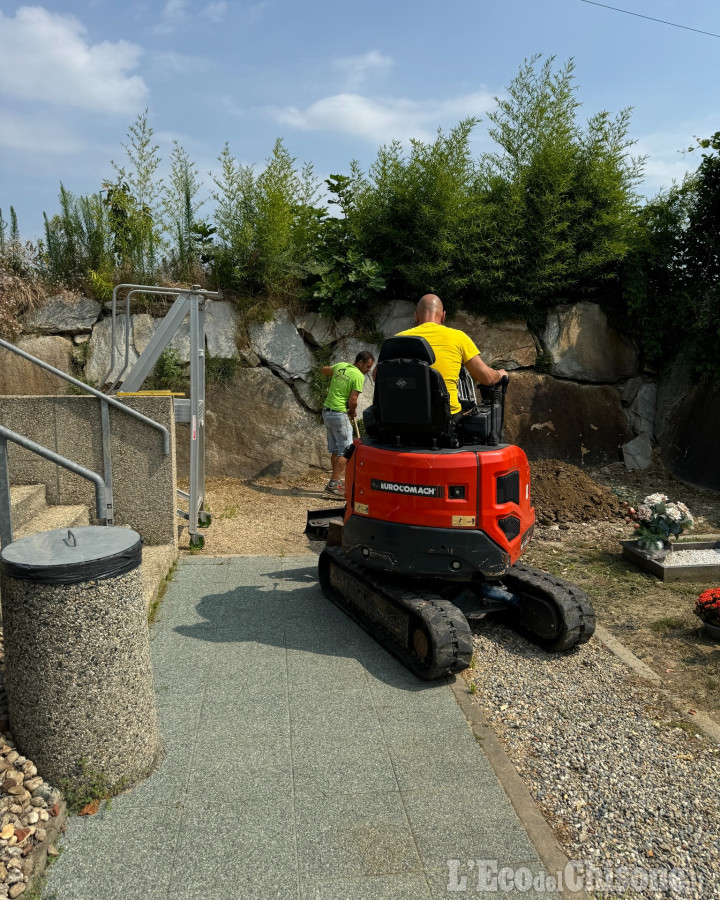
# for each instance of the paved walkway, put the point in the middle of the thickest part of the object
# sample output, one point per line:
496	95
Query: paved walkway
302	760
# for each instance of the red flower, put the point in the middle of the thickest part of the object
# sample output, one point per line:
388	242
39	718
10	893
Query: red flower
707	605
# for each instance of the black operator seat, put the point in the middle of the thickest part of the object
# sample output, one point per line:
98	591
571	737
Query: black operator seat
411	403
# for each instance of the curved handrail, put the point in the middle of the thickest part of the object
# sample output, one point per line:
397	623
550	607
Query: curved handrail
91	390
100	490
142	289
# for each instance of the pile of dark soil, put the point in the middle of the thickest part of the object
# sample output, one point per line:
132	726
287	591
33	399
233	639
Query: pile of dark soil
561	492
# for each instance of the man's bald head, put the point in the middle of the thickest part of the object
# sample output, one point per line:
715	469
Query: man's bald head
429	309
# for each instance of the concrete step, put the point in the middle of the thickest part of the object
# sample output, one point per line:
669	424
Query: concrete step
26	502
54	517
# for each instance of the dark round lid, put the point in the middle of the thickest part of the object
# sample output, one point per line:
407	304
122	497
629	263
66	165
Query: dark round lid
72	555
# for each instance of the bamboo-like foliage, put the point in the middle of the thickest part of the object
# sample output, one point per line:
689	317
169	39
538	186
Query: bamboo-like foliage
559	197
77	240
265	224
180	205
550	215
134	198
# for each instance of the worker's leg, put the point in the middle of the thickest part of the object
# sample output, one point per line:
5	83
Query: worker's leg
338	467
339	437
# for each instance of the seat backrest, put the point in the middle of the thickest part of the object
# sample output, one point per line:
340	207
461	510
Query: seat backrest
406	346
411	401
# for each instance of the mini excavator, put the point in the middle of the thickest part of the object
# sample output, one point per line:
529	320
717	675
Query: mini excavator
438	512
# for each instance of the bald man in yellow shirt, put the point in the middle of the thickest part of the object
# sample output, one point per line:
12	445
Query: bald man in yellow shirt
452	347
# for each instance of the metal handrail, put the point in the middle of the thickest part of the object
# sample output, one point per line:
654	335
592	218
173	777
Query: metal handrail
5	508
91	390
140	289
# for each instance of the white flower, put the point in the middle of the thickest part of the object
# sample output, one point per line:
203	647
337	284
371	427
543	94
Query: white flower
685	511
644	513
652	499
673	513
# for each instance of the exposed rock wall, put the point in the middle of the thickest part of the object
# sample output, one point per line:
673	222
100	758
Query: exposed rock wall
21	378
553	419
504	345
591	404
255	426
585	348
687	424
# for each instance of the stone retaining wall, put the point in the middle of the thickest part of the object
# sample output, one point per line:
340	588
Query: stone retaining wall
591	403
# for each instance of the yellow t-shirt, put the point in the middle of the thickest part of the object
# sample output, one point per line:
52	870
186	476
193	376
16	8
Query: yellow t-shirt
453	348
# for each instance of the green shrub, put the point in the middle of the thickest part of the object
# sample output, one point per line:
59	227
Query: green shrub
319	383
170	373
559	200
219	370
266	226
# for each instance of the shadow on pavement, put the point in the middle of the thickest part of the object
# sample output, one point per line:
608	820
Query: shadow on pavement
300	619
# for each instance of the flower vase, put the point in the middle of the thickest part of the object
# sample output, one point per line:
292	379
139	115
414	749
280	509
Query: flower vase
711	630
656	550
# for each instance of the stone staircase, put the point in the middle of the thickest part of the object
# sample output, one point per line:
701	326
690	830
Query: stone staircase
32	514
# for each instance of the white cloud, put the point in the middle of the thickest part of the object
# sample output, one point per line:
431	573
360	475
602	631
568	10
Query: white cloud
357	68
173	14
45	56
254	12
39	134
167	62
175	11
386	119
226	104
666	162
178	13
215	11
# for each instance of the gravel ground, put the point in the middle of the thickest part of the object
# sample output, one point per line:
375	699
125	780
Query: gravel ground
622	778
27	805
708	557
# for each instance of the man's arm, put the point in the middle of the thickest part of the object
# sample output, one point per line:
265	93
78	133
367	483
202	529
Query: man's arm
327	370
352	403
482	372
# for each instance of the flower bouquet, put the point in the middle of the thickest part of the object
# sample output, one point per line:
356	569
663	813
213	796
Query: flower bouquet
707	607
659	519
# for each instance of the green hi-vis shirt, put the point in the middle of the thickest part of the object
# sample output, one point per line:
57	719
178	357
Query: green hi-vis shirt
345	378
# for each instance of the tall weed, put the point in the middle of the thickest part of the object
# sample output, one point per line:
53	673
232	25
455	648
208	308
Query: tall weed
180	205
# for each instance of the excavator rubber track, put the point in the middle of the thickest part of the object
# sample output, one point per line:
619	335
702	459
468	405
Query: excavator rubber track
544	597
426	633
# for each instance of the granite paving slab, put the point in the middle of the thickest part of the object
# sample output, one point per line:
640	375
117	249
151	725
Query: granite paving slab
302	761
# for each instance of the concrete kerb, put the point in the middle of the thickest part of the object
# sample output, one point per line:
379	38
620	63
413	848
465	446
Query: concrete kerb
538	830
549	850
39	856
697	718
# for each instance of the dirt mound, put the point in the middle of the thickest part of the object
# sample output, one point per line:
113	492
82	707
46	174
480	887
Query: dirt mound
563	493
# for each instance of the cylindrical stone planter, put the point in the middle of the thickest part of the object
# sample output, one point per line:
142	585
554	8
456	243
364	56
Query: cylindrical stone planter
78	675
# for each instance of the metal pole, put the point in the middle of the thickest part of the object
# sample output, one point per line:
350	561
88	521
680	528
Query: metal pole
107	463
164	333
158	342
106	376
6	534
127	345
203	519
195	413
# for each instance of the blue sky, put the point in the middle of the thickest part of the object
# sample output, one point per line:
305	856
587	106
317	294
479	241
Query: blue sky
334	79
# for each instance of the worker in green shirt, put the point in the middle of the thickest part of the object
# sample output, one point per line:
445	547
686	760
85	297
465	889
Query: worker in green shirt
340	407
